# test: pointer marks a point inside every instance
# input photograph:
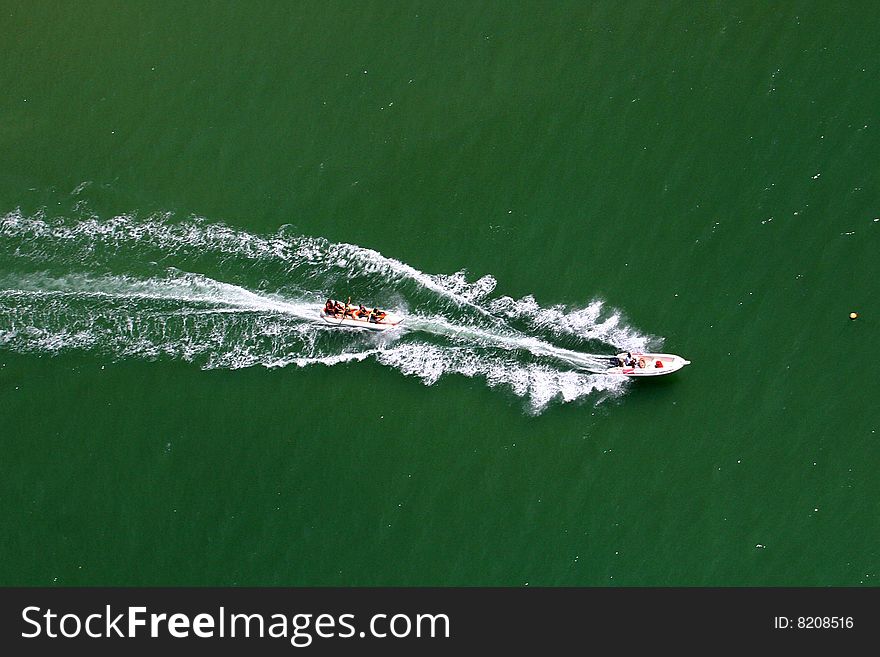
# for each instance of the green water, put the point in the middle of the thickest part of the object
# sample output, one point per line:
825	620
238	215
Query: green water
181	184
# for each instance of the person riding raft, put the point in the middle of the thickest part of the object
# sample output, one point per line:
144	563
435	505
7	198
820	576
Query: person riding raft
335	308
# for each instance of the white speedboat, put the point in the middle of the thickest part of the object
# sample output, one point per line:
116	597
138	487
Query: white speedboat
645	364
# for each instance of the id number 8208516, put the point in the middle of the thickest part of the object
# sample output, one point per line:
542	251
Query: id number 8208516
814	622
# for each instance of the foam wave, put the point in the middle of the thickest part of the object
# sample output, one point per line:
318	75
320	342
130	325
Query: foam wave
179	286
158	239
540	383
124	287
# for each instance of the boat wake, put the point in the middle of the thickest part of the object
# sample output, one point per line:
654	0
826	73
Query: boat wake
206	293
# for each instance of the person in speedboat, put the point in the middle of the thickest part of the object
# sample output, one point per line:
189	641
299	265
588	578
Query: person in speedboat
623	359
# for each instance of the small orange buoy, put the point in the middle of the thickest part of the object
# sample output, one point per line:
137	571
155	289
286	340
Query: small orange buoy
853	315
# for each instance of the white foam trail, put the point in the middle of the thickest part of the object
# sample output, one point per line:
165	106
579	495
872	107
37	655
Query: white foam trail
510	340
218	324
585	323
196	319
184	316
540	384
181	286
329	361
313	259
41	239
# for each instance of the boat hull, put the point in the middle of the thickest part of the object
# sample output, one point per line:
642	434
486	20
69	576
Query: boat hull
391	320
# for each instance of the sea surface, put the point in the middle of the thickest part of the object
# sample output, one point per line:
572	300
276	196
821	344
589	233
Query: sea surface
535	186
